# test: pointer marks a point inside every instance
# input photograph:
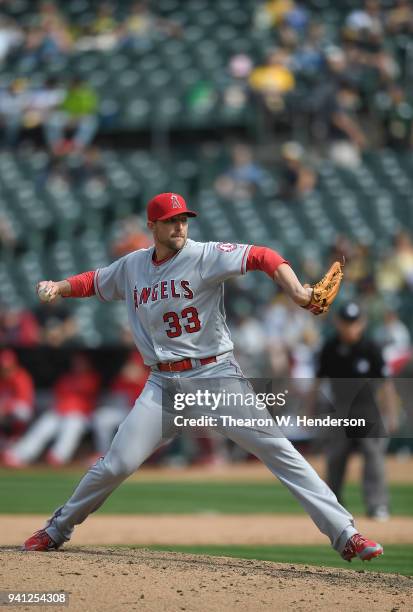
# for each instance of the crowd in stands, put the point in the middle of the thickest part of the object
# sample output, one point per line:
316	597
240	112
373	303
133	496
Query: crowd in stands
58	419
245	176
50	426
48	325
277	339
49	34
55	107
346	88
358	74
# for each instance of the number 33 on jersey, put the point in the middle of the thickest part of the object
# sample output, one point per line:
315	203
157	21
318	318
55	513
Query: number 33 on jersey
176	305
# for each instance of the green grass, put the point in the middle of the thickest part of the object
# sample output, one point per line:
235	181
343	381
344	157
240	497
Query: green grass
397	559
41	492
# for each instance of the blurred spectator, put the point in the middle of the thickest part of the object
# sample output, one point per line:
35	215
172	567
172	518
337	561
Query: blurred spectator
140	26
292	339
389	278
8	238
297	179
297	18
250	343
243	177
42	101
372	302
312	266
403	246
240	66
104	31
48	12
78	112
345	136
23	107
394	338
87	168
274	13
105	22
365	23
404	254
201	97
78	169
288	40
400	18
342	247
397	118
367	70
74	399
56	172
57	39
395	270
123	392
130	237
308	56
14	101
47	39
338	69
11	37
18	327
272	81
358	264
57	325
16	397
236	93
352	76
30	54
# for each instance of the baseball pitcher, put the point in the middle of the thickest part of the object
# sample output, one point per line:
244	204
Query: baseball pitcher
174	298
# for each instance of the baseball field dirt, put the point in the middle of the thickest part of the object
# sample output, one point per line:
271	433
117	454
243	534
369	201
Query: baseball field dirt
100	573
124	579
202	529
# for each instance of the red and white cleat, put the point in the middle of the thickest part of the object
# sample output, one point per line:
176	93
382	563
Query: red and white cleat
40	541
361	547
53	460
9	459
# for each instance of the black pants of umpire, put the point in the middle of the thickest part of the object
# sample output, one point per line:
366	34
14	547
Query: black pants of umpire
339	449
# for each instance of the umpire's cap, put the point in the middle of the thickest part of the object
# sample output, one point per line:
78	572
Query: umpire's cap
349	312
166	205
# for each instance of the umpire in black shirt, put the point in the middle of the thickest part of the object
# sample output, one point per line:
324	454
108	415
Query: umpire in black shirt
355	367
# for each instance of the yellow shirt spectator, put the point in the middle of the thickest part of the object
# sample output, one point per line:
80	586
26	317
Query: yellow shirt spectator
274	78
276	9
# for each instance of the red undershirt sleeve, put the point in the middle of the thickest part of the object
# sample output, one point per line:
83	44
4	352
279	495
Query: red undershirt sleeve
264	259
82	284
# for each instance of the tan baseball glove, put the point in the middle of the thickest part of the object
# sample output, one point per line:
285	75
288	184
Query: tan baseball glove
325	291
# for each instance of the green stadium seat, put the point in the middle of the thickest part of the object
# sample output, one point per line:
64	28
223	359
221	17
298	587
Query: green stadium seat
137	112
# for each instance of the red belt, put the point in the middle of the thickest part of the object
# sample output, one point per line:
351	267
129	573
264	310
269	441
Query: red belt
184	364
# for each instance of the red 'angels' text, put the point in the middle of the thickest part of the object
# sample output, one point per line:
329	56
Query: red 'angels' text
163	291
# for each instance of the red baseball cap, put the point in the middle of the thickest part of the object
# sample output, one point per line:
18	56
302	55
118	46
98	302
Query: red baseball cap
166	205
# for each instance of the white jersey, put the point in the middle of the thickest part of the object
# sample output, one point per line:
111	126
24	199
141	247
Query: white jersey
175	307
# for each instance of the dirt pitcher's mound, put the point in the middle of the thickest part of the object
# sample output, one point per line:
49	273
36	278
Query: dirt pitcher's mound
123	579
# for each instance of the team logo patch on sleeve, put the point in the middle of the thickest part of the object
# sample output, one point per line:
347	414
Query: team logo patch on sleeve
226	247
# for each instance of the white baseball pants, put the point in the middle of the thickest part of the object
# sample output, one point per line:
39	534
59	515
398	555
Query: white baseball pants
142	432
